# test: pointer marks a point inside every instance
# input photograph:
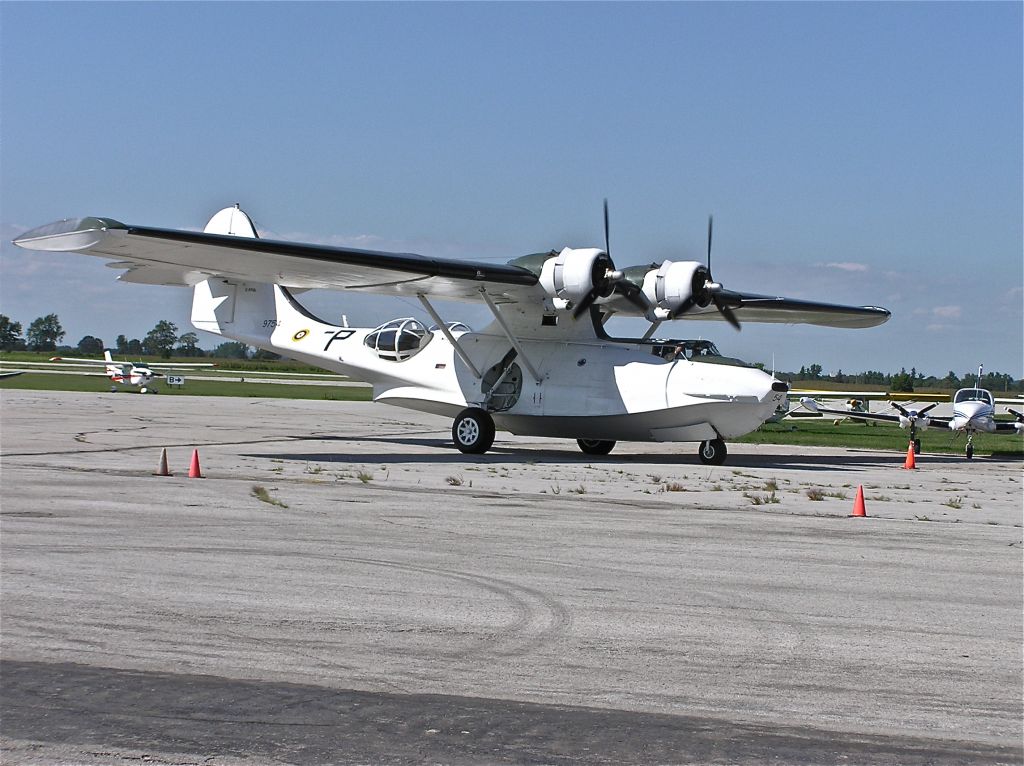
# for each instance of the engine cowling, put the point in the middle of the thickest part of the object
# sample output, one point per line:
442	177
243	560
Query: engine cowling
673	282
573	273
922	423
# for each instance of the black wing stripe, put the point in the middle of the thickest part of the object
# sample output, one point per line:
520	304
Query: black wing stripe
404	262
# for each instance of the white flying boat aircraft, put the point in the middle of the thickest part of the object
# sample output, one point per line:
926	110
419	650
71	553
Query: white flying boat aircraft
139	374
544	367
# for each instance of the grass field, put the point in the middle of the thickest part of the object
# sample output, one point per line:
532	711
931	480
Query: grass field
817	432
48	382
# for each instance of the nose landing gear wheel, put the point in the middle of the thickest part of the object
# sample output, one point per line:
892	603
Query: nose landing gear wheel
712	452
473	431
917	446
595	446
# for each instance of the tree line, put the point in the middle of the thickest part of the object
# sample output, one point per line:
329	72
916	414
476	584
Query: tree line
907	382
46	333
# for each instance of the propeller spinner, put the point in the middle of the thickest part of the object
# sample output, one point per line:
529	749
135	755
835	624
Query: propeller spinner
610	281
705	290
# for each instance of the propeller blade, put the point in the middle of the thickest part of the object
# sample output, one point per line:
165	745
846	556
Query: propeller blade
726	312
711	220
607	246
902	410
633	294
683	307
929	407
586	302
1018	415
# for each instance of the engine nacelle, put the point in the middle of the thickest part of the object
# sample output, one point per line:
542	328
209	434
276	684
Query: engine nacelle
572	274
675	281
922	423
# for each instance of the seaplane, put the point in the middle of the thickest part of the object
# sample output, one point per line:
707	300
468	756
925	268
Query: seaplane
974	412
140	375
545	366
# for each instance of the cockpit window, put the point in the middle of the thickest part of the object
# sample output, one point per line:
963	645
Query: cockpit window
685	349
973	395
398	339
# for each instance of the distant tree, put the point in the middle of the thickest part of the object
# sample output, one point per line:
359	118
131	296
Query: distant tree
133	347
44	333
265	355
161	339
90	345
122	344
10	335
188	345
814	371
231	350
902	381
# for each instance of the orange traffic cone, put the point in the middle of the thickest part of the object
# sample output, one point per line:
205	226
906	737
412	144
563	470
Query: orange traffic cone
162	470
193	470
910	462
858	504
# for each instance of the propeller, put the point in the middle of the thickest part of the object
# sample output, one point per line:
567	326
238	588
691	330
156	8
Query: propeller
913	415
610	281
705	290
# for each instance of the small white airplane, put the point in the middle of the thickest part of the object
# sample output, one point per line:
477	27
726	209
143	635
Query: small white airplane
544	367
974	412
139	374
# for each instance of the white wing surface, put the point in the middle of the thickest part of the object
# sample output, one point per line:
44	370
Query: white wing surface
173	257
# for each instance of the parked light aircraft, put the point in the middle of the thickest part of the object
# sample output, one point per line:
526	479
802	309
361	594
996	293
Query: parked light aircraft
544	367
973	412
139	374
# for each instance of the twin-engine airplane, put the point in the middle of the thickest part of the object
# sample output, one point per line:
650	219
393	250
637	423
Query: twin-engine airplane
973	412
128	374
544	367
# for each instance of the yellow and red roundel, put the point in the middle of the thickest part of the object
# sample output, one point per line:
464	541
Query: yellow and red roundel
300	335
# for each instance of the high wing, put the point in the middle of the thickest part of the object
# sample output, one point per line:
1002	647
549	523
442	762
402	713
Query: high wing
894	396
173	257
176	365
99	362
815	406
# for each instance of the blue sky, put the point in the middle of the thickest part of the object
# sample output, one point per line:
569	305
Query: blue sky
866	153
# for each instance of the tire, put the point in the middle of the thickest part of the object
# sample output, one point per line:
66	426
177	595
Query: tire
970	451
712	452
473	431
917	446
595	446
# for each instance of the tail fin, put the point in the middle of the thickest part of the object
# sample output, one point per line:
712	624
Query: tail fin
106	357
213	300
234	221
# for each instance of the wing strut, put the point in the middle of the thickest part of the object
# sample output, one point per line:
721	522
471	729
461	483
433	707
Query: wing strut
511	338
448	334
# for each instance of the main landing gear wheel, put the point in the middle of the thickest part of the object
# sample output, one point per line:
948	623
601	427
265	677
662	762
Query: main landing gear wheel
473	431
970	451
917	446
712	452
595	446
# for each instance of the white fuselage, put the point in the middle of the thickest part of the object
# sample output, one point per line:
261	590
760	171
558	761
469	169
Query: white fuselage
973	415
592	389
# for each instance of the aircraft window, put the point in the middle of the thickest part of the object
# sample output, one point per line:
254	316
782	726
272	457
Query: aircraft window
398	339
685	349
453	327
973	395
